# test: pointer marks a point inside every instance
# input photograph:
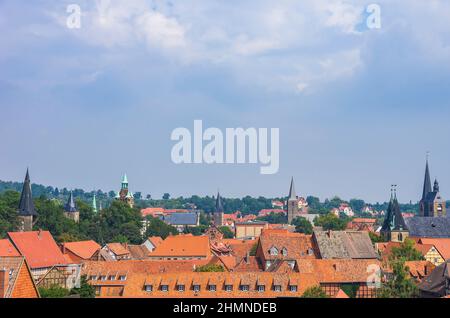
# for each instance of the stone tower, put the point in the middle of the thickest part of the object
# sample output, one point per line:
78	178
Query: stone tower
218	212
70	209
394	228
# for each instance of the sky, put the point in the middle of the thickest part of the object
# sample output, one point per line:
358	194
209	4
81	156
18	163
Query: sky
358	108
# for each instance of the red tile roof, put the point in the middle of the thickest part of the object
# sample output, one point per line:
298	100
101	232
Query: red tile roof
183	246
83	249
39	248
441	244
155	240
7	249
118	249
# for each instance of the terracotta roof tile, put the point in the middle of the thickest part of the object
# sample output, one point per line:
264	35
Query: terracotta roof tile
39	248
83	249
8	249
183	246
117	248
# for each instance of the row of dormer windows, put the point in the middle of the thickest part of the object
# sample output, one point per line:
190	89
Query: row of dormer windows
108	277
227	288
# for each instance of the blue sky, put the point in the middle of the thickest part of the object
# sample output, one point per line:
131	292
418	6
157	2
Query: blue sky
357	108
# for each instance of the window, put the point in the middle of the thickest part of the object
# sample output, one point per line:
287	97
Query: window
180	288
261	288
293	288
112	277
196	288
93	277
212	288
148	288
103	277
284	251
244	288
122	277
98	290
273	251
228	288
277	288
164	288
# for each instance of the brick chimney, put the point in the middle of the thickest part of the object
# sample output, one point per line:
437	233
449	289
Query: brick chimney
4	282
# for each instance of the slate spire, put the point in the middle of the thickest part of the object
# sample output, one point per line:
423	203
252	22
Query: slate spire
394	218
219	204
436	186
427	182
26	205
70	205
292	194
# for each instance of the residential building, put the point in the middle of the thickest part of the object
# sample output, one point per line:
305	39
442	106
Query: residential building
344	245
115	252
346	209
362	224
183	247
78	252
16	280
43	255
428	251
437	284
442	246
7	249
277	246
153	242
182	220
249	230
267	212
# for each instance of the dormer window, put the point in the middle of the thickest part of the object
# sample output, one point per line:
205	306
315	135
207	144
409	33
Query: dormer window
148	288
277	288
196	288
212	288
112	277
261	288
229	288
180	288
103	277
293	288
165	288
244	288
284	251
273	251
122	277
93	277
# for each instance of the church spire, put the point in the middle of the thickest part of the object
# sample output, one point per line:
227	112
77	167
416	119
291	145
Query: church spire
26	205
292	194
219	204
70	205
427	182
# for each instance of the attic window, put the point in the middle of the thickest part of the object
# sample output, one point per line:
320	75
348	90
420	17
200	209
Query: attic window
93	277
165	288
112	277
293	288
212	288
148	288
103	277
196	288
122	277
180	288
284	251
273	251
261	288
277	288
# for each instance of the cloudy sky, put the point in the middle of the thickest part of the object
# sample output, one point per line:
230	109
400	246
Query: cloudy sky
357	108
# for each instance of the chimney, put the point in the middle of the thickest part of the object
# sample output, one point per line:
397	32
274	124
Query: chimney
4	282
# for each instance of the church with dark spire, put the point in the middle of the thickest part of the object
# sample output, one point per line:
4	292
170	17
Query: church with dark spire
70	209
394	228
293	210
432	204
218	212
27	211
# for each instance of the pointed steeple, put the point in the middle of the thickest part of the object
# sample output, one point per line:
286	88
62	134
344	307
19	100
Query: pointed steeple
26	205
292	194
436	186
394	218
94	204
219	204
70	205
125	182
427	182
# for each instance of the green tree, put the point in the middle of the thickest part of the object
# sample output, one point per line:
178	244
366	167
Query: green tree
227	232
53	292
85	290
166	196
210	268
156	227
302	225
9	203
401	285
375	238
314	292
406	252
330	222
275	218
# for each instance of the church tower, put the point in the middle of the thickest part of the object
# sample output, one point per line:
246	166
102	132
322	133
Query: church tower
218	212
125	194
70	209
394	228
292	203
27	211
432	204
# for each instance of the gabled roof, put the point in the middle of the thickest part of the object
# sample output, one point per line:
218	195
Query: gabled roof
297	245
441	244
183	246
430	227
117	248
341	294
155	240
344	245
83	249
39	248
26	287
26	205
7	249
138	251
292	194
